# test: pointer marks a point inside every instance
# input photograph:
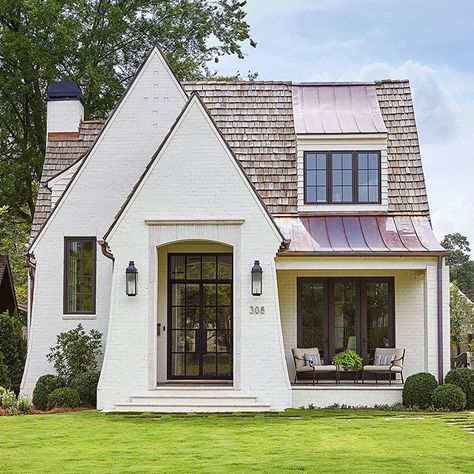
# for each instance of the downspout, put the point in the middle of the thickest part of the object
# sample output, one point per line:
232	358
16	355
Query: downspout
104	246
30	263
440	319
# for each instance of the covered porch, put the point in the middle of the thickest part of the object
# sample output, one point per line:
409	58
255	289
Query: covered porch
337	295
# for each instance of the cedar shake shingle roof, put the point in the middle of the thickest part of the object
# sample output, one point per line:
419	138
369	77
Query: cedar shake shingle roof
406	181
59	156
256	119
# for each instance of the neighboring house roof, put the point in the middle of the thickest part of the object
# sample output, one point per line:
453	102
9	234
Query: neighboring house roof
60	155
335	108
8	300
384	235
256	119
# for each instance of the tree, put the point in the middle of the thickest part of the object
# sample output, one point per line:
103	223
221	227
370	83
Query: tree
461	266
99	44
13	348
462	316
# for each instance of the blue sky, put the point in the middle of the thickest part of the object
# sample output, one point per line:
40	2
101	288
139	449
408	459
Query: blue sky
430	42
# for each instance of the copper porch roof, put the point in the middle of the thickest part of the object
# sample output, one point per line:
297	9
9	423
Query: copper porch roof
336	108
383	235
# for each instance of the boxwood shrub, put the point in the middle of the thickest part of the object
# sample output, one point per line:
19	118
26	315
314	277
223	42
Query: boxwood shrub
86	386
65	397
44	386
449	397
464	379
418	390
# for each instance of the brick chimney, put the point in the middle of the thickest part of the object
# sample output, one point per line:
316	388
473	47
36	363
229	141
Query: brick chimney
65	110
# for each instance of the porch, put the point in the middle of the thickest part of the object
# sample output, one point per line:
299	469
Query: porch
359	303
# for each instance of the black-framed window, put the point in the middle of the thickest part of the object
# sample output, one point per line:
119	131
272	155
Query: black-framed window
79	275
344	177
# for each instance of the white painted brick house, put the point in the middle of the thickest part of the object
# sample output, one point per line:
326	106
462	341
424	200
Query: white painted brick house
322	184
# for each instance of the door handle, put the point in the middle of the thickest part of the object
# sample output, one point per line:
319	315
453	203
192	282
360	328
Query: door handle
158	329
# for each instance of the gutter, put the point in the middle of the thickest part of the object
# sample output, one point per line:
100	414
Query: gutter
440	319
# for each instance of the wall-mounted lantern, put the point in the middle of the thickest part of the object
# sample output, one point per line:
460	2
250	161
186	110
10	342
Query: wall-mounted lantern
256	273
131	276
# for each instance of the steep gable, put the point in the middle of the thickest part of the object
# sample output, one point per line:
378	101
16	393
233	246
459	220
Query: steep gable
209	172
118	156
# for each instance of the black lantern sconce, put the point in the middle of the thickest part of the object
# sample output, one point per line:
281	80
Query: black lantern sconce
256	273
131	279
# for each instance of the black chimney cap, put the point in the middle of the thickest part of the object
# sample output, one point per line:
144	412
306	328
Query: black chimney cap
65	90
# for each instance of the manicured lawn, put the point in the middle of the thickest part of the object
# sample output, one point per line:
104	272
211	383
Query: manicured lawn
311	440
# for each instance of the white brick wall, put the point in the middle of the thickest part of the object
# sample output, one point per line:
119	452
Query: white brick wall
130	138
208	186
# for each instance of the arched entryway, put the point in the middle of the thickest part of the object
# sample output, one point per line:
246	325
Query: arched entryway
196	281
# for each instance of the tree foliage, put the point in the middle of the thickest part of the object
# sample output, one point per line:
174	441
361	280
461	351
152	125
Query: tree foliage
462	316
461	265
99	44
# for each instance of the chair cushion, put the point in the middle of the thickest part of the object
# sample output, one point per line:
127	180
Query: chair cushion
382	368
390	351
384	359
317	368
312	359
298	355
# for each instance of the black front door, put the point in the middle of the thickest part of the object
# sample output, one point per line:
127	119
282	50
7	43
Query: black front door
337	314
200	316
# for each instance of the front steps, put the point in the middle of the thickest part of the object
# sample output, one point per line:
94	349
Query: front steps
192	399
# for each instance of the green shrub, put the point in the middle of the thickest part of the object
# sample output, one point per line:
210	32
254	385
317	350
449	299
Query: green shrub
75	352
7	399
464	379
65	397
4	378
449	397
24	404
471	346
44	386
13	347
86	386
348	360
418	390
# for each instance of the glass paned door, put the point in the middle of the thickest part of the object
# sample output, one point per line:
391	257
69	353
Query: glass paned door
312	320
377	315
200	316
344	318
339	314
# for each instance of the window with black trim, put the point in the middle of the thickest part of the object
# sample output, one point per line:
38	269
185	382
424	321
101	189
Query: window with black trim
79	275
342	177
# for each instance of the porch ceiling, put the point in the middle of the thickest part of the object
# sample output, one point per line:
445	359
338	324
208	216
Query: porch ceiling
359	235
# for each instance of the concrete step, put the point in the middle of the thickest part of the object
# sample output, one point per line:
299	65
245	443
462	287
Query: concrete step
202	399
170	407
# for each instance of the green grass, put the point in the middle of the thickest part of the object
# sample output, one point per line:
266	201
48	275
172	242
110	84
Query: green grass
311	440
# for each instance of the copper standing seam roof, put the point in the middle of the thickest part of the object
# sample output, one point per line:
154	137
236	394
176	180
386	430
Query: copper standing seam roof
336	108
392	235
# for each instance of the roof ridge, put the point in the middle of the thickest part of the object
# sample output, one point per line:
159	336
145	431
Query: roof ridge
241	82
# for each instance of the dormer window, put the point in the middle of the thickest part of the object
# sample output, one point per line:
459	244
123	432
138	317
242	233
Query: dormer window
342	177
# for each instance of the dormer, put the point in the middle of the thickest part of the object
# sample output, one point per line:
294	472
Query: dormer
341	148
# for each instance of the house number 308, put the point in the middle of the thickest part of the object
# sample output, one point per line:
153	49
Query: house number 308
257	310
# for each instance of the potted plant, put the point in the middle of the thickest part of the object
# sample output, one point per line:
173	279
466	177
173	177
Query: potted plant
348	360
